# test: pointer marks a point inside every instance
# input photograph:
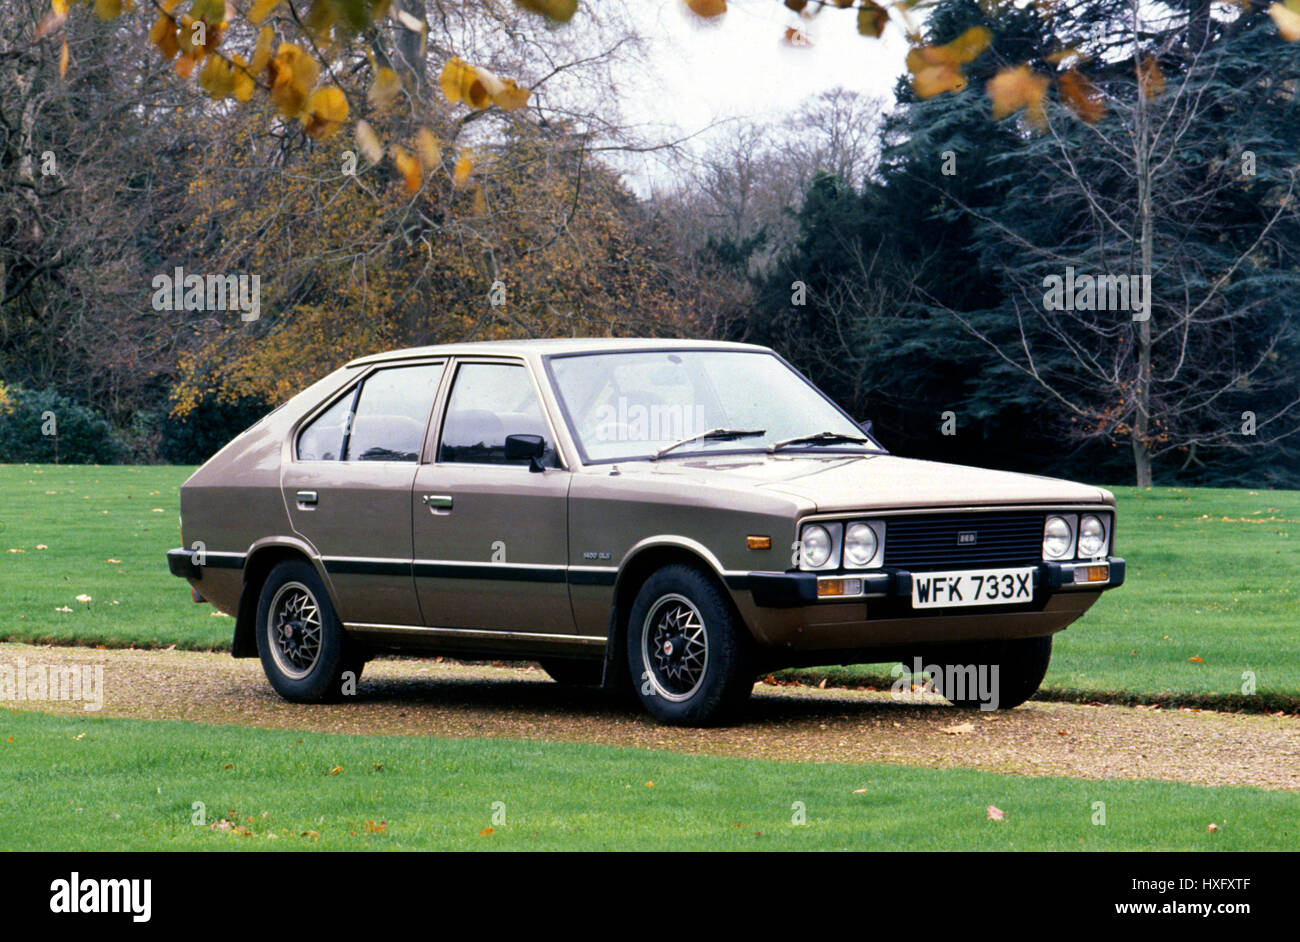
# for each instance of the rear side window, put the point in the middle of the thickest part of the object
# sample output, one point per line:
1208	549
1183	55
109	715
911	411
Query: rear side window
392	412
388	421
322	440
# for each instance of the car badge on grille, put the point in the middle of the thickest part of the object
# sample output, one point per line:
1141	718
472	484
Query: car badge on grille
967	538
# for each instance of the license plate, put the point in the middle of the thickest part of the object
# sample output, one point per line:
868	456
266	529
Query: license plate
972	587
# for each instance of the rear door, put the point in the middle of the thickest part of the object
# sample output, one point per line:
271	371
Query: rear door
490	536
348	488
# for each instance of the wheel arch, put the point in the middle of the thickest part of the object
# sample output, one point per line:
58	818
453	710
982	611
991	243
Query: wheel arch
642	561
262	558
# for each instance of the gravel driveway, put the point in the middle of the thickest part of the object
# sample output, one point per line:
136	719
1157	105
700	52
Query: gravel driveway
447	698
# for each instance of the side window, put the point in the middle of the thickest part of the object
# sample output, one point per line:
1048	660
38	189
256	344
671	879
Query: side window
392	413
322	440
488	402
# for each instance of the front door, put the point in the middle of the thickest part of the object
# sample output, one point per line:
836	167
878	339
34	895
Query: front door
348	490
490	535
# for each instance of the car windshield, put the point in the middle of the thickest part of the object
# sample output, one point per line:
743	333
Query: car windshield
632	405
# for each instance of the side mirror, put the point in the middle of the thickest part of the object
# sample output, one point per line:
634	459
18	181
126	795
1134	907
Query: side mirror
531	447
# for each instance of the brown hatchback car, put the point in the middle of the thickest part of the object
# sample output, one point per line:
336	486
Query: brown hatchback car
669	518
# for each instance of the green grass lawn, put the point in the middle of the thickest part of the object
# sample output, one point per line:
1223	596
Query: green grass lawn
80	784
107	530
1213	584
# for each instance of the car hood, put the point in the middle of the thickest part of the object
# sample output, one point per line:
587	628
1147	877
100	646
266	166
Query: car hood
856	482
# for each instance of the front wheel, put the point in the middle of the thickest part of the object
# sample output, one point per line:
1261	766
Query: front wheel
686	649
305	654
994	675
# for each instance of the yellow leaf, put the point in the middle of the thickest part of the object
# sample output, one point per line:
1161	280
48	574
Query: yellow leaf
872	19
1015	88
464	167
409	167
327	108
452	79
217	78
244	83
261	9
1287	21
426	145
1081	96
262	51
63	59
561	11
385	89
1150	79
163	35
291	72
707	8
511	97
185	64
368	141
110	9
60	7
936	79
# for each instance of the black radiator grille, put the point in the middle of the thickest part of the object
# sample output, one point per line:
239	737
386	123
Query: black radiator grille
933	541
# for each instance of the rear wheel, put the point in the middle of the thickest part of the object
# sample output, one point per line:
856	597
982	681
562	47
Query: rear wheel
999	674
305	654
575	673
687	650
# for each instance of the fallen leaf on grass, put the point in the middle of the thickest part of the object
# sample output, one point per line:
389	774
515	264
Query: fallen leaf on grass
1196	659
336	770
486	832
1212	828
996	813
958	728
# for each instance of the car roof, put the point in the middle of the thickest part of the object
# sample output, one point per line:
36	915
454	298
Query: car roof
552	346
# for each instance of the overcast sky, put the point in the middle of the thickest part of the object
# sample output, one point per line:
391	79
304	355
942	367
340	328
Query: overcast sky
737	66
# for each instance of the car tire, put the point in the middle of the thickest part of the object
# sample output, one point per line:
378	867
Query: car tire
304	652
574	673
687	649
1021	662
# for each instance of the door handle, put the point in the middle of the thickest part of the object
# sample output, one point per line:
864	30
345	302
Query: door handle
306	497
438	501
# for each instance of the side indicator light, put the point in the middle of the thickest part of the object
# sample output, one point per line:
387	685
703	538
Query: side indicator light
758	542
1086	574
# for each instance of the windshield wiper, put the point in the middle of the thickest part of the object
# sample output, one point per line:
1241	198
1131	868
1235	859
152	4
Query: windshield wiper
713	434
821	438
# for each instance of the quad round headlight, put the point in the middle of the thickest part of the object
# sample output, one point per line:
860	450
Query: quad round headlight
1057	538
1092	537
859	545
815	546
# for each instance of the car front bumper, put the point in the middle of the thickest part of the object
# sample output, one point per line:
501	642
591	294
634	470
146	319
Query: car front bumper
785	614
796	589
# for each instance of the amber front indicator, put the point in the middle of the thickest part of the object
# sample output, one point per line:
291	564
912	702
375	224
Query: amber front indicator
832	588
1085	574
758	542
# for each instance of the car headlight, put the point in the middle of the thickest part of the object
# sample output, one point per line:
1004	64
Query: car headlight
1058	538
860	545
816	546
1092	537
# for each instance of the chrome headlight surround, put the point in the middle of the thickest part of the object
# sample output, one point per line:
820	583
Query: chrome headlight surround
1090	546
870	532
834	536
1052	530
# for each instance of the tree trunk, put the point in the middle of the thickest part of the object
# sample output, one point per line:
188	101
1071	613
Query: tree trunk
1142	387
